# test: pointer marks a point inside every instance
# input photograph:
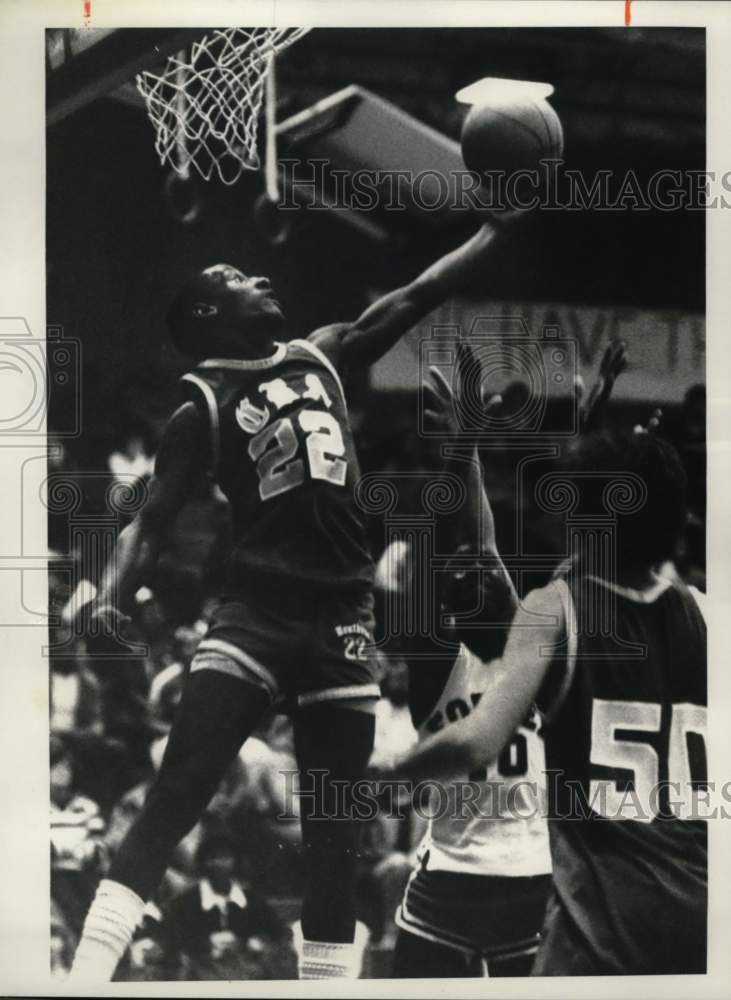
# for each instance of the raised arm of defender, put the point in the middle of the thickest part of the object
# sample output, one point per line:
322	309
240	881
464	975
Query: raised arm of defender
383	323
473	527
516	678
514	682
179	472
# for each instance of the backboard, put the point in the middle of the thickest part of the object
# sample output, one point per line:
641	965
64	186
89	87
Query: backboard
86	63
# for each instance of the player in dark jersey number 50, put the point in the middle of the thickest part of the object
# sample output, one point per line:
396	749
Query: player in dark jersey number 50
267	419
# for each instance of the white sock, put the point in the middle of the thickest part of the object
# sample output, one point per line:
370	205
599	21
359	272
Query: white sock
333	960
325	960
108	930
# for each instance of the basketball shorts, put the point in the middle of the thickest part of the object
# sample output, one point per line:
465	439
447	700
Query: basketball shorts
303	649
492	916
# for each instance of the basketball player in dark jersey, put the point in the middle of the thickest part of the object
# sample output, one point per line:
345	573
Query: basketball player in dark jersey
267	419
615	657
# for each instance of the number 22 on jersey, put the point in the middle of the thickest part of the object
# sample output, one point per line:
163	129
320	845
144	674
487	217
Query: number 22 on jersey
275	448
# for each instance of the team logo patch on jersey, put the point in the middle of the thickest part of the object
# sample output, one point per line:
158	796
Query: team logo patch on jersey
251	418
356	640
278	393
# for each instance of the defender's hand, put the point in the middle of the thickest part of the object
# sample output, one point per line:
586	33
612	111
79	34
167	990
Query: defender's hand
653	424
440	410
613	363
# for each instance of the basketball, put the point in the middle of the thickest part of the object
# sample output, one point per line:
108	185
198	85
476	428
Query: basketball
510	134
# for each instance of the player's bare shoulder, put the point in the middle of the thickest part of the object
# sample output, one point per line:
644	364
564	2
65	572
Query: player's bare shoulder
545	605
183	456
330	339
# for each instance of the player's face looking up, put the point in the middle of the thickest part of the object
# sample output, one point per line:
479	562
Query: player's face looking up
236	297
222	312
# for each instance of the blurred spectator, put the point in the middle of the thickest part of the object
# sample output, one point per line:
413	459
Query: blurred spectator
186	639
152	628
165	692
77	854
395	731
389	840
147	959
221	927
75	698
259	804
136	453
182	866
63	942
167	684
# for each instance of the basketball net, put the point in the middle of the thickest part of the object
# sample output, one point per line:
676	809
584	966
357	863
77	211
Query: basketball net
205	110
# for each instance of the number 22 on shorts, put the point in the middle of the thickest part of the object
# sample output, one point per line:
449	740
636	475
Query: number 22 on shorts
275	448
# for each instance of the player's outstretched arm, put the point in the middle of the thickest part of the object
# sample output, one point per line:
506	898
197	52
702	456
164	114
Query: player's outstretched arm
473	525
472	528
383	323
179	471
514	682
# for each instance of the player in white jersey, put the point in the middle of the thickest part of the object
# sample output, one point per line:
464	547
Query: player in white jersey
475	902
477	897
464	838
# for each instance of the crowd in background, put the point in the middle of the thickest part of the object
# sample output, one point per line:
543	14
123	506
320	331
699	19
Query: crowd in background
229	903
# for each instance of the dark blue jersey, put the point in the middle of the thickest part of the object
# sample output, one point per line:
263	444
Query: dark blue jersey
283	454
625	721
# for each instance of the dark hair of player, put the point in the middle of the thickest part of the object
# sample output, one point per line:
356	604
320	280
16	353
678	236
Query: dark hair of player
648	534
185	328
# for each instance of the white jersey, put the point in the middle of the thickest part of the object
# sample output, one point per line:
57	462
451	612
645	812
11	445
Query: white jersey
503	831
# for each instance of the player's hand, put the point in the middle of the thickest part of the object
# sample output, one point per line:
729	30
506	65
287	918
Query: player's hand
470	582
440	405
441	401
382	766
469	372
613	363
102	618
108	617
